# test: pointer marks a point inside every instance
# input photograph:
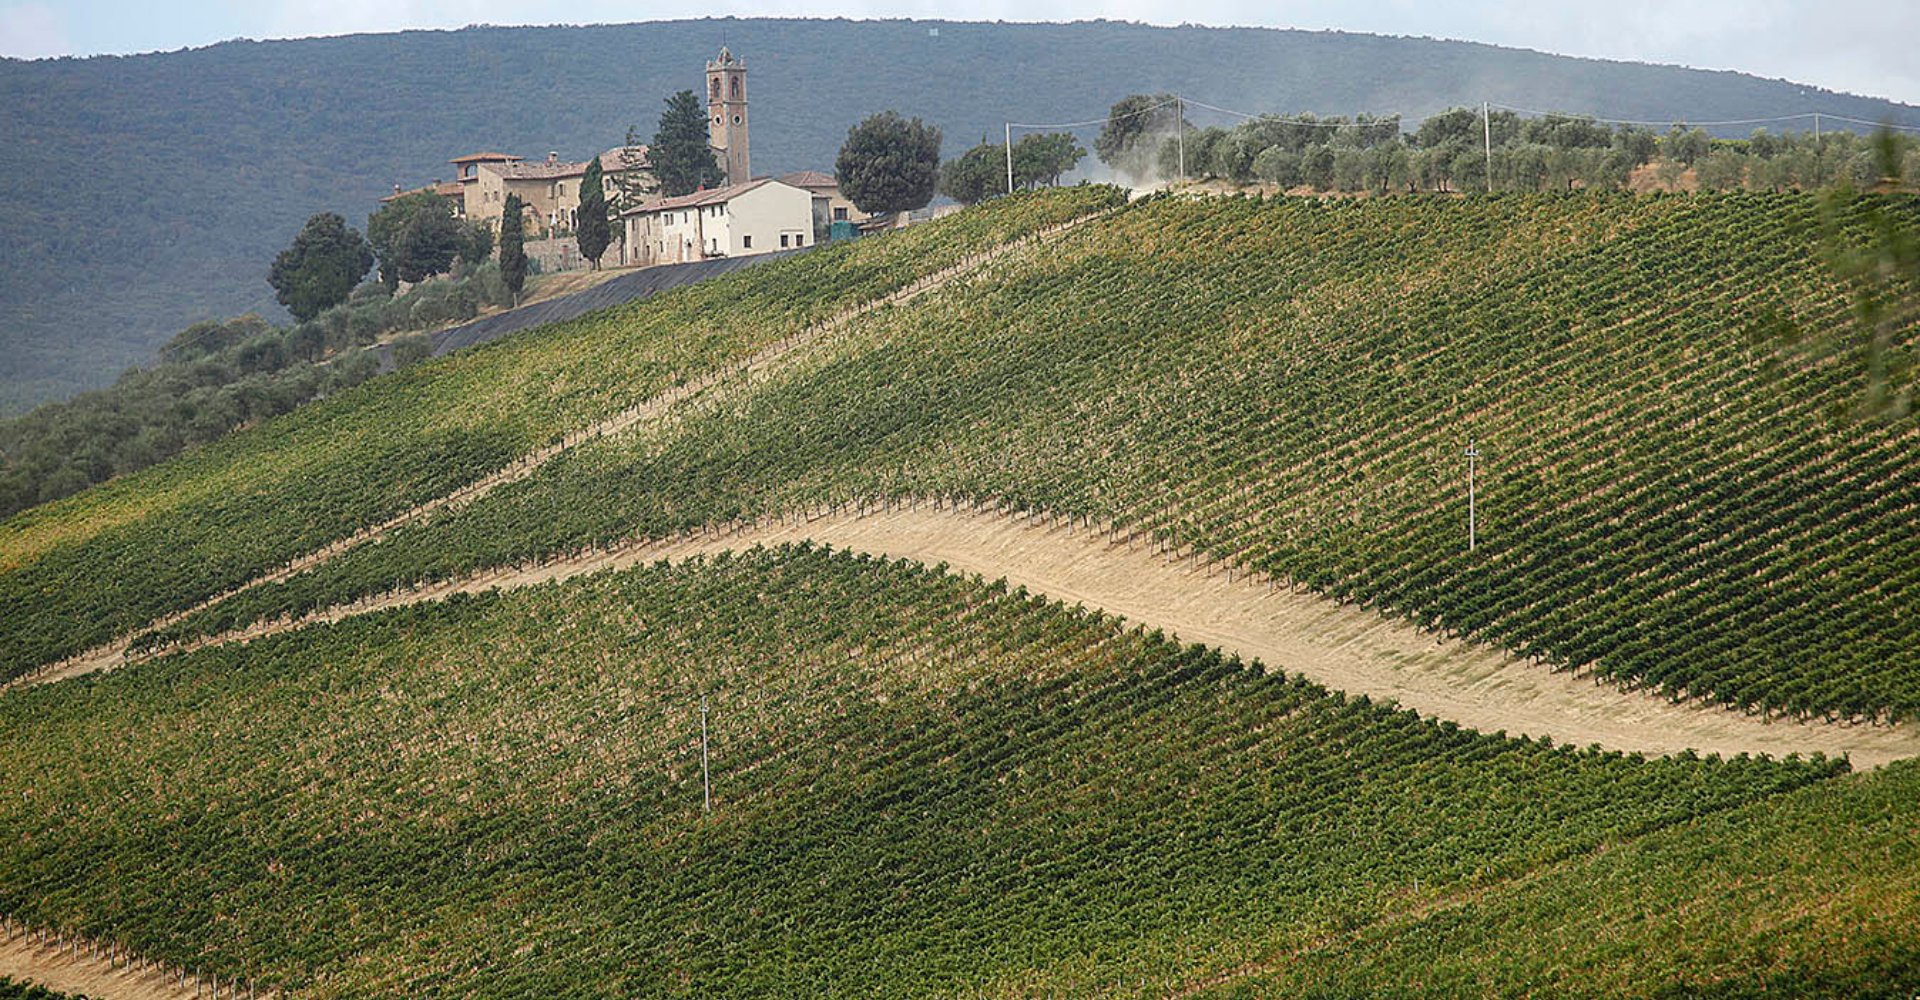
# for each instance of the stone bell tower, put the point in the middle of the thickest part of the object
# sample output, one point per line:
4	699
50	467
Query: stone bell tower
727	115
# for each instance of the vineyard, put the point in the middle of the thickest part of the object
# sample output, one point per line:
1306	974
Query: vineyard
77	572
10	990
922	785
1288	386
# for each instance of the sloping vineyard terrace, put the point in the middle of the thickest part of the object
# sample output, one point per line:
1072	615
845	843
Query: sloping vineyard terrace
923	785
1288	386
76	573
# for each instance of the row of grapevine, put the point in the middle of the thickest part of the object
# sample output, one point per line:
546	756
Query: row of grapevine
1288	386
923	785
76	573
11	990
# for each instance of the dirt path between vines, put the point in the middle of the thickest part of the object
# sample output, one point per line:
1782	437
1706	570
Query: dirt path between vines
756	367
95	977
1341	646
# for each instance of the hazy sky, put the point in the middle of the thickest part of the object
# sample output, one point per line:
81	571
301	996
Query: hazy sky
1851	45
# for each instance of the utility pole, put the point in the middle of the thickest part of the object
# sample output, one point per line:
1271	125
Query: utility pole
1180	132
1009	157
706	782
1486	125
1473	454
1816	127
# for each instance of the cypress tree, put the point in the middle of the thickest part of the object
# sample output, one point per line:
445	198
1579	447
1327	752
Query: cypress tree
682	159
592	230
513	249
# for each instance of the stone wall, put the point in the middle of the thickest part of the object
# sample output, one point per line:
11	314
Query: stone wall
562	253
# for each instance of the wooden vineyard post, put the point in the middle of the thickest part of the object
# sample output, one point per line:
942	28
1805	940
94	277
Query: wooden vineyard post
1473	455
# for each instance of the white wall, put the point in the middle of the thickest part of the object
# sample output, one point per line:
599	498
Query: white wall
757	219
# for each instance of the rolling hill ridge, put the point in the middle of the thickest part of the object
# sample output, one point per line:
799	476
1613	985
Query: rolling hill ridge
207	161
461	751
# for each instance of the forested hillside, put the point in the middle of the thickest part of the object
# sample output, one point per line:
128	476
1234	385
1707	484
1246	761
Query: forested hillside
179	175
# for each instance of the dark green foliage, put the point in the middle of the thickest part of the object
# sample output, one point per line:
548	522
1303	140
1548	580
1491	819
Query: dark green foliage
513	245
213	378
411	350
1882	272
593	231
635	181
682	158
12	990
321	268
210	338
415	236
1039	158
1684	145
919	780
476	244
1131	136
975	175
889	164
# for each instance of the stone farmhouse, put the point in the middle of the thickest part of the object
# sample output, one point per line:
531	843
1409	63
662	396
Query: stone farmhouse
747	215
550	189
756	217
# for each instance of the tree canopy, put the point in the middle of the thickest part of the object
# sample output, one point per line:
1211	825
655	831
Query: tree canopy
513	252
975	175
1129	140
415	236
1039	158
319	270
683	160
592	229
889	163
635	180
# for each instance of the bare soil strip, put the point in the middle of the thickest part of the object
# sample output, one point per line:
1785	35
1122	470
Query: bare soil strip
1344	647
756	367
57	969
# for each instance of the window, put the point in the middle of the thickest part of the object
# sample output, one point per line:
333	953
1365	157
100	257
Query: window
737	119
716	88
747	242
736	95
840	214
783	241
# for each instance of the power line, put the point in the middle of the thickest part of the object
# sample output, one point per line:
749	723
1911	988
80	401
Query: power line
1410	122
1310	122
1169	102
1801	116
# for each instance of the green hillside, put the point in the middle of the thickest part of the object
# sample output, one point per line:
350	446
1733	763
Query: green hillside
922	786
1289	387
181	174
78	571
929	784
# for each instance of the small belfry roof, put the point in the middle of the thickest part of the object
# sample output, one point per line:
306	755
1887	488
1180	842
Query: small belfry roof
810	179
614	160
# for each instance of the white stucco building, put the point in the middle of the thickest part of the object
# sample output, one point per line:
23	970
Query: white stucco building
733	221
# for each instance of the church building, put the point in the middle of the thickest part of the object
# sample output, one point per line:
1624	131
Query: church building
727	115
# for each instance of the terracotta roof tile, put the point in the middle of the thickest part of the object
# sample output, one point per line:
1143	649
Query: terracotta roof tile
711	196
809	179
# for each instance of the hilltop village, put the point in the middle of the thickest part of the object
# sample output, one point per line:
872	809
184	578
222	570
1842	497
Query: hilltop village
742	216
